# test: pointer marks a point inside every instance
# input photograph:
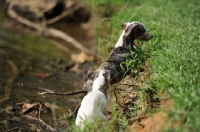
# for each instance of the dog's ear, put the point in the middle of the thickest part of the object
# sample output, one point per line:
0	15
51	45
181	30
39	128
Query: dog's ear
130	28
124	25
90	75
106	74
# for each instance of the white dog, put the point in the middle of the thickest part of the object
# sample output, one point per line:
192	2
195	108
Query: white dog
94	105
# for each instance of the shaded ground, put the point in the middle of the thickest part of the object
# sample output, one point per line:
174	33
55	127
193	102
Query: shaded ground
34	72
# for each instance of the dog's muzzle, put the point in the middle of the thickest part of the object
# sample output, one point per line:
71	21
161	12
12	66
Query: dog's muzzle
145	37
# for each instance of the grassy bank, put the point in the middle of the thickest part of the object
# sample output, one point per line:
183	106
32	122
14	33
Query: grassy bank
175	51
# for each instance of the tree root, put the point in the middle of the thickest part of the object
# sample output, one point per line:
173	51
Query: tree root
49	32
64	14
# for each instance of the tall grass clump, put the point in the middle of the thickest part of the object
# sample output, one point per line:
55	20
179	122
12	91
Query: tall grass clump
174	55
175	61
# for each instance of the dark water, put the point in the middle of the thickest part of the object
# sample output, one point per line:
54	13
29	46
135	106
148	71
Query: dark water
39	64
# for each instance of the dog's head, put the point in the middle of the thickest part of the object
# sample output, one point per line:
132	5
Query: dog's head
137	30
100	79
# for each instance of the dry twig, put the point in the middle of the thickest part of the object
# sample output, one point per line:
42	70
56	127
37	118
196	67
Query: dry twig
64	14
14	129
40	122
129	85
39	111
117	98
59	34
75	111
69	93
137	118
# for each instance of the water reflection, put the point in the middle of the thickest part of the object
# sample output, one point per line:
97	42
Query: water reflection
34	57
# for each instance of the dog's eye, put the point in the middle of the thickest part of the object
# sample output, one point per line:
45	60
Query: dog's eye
141	31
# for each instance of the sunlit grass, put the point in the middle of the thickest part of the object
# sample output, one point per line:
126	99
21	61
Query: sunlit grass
174	51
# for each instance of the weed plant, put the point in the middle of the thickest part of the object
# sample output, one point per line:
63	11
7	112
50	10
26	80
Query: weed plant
136	60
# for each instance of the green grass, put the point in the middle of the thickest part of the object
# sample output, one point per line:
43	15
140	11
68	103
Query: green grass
175	51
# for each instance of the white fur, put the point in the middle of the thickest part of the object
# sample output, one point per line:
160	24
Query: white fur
120	40
94	104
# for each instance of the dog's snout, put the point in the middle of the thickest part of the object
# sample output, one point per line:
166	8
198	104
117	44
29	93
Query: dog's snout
146	37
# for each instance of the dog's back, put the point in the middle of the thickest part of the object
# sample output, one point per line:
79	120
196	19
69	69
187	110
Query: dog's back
121	52
93	108
94	104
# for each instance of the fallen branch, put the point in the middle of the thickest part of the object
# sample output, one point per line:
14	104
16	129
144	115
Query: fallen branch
45	89
59	34
15	129
129	85
64	14
20	19
75	111
69	93
130	122
10	81
49	32
40	122
48	91
60	46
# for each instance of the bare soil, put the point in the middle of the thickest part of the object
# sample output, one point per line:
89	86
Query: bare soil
154	122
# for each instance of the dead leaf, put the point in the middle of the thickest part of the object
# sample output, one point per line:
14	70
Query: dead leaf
11	110
27	107
136	43
81	58
43	75
75	68
51	106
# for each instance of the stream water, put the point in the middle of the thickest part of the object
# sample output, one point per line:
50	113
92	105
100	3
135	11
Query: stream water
30	63
40	65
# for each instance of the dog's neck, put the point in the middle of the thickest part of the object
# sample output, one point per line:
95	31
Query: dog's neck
99	83
128	41
98	89
101	89
125	41
120	40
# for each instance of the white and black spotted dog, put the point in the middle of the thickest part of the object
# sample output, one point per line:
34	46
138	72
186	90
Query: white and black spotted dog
94	105
122	50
